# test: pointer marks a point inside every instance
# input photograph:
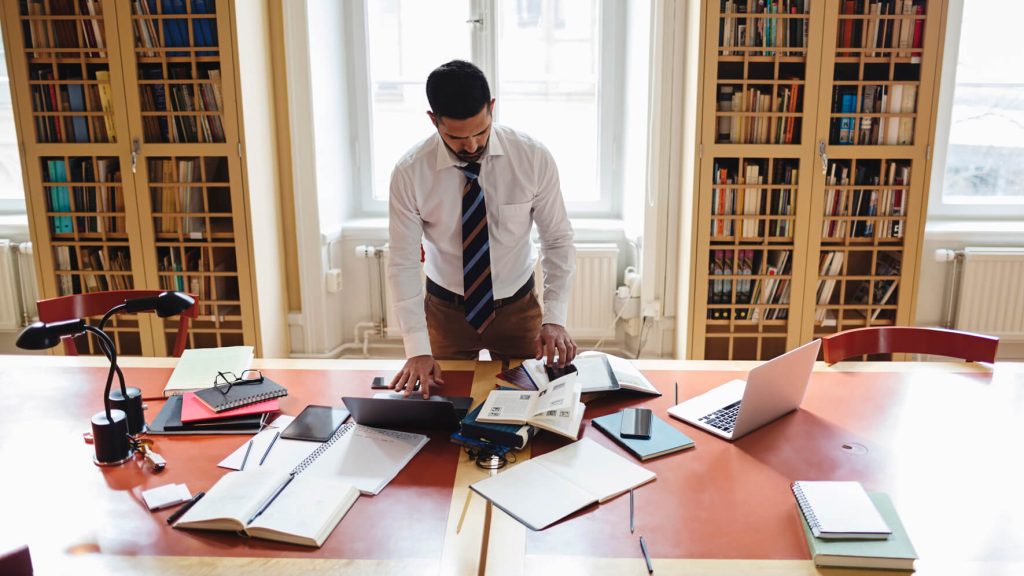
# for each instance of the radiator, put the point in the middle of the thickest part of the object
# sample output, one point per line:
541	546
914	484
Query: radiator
17	285
591	314
991	299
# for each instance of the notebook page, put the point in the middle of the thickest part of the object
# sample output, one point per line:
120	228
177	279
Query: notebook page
368	458
595	469
533	494
839	508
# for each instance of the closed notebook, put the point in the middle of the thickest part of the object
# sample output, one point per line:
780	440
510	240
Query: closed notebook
168	421
664	438
197	368
193	410
241	395
894	553
839	510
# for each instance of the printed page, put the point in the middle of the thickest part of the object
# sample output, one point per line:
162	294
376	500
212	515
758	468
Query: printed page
512	406
561	421
560	395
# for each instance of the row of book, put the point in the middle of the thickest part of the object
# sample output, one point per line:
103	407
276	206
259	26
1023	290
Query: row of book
752	201
768	293
106	202
203	97
64	33
876	36
881	100
781	128
888	204
874	293
51	99
175	30
90	263
763	31
183	199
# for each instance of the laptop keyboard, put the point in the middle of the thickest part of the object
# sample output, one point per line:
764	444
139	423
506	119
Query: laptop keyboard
724	418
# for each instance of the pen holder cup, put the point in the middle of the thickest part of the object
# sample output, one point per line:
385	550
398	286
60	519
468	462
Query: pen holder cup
110	438
131	405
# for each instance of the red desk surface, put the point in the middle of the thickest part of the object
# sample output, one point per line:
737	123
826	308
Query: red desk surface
957	486
52	495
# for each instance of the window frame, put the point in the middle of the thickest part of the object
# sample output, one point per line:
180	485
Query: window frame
610	95
937	208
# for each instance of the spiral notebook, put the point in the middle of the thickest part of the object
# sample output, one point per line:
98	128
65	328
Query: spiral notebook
240	395
839	510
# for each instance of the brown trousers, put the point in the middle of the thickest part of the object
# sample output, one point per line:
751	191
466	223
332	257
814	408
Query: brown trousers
511	334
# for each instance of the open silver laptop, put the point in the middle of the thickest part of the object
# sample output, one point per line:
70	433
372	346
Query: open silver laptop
738	407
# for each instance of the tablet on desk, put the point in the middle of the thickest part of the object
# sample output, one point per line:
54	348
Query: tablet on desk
392	410
316	423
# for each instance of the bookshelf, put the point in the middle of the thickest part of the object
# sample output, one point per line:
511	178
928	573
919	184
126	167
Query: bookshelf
138	175
815	121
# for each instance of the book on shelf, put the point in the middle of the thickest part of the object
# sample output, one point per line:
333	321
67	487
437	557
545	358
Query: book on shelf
555	406
547	488
303	508
839	510
197	368
665	439
893	553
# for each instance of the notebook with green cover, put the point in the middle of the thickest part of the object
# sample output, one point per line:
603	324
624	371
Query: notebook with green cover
894	553
241	394
664	438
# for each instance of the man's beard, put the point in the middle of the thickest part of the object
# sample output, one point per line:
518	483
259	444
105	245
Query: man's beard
467	157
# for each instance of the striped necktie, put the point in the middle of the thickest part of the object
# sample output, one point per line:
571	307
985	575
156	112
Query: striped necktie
476	252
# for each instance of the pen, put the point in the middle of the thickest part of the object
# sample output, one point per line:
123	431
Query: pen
647	557
273	497
274	439
184	508
631	511
677	392
248	448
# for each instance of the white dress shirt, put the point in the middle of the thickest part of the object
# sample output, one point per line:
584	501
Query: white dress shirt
520	183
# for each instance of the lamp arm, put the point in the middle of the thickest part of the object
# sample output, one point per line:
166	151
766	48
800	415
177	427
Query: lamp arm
110	313
108	346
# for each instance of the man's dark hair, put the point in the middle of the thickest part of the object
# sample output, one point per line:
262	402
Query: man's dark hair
457	90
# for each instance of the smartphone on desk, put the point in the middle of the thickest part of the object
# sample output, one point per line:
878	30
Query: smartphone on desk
636	423
316	423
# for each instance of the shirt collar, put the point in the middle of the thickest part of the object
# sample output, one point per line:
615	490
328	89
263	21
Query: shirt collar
445	159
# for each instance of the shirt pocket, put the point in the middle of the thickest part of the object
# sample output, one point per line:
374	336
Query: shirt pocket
514	221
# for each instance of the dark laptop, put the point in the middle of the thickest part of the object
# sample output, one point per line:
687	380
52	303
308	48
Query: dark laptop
392	410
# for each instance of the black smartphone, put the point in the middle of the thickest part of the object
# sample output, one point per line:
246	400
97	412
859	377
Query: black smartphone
379	383
554	372
316	423
636	423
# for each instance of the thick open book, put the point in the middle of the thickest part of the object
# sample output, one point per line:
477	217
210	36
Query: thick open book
555	407
596	372
305	512
545	489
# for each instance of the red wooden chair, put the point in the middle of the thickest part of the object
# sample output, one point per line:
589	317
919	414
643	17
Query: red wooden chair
909	339
98	303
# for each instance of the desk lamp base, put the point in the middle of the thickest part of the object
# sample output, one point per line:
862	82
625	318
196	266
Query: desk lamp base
110	438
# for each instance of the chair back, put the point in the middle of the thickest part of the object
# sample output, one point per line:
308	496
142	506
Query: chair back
910	340
98	303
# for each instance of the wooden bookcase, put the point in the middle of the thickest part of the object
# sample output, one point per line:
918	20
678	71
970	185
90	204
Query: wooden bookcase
814	133
137	171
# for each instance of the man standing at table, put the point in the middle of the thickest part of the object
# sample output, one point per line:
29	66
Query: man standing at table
469	195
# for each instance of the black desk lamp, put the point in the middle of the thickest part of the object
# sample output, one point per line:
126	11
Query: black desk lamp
129	399
109	427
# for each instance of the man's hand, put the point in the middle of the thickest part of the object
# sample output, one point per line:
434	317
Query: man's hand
422	369
554	340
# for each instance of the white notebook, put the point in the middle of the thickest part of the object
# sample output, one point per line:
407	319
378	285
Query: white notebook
197	368
839	510
545	489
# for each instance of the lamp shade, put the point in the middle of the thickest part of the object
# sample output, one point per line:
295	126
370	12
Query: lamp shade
41	336
165	304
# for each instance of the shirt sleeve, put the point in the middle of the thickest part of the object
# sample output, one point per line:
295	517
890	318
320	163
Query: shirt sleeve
405	233
558	254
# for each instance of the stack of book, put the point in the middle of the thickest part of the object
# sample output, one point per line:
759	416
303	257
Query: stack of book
850	528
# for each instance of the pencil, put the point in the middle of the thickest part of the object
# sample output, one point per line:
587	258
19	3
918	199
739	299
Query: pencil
631	511
647	557
274	439
677	392
248	448
181	511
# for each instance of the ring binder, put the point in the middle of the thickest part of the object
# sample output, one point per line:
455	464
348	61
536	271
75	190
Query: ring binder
806	510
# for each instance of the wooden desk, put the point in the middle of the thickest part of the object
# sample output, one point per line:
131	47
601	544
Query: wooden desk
720	508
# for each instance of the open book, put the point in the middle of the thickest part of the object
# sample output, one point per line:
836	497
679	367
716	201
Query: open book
555	407
543	490
596	372
305	512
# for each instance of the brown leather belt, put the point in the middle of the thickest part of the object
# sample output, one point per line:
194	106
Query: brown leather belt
437	291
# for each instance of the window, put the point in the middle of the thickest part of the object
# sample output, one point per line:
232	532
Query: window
12	191
549	68
983	103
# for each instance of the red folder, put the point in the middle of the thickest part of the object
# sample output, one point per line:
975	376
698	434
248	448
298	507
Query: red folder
193	409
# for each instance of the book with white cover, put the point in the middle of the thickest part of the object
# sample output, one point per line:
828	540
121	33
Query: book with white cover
545	489
197	368
555	407
625	372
